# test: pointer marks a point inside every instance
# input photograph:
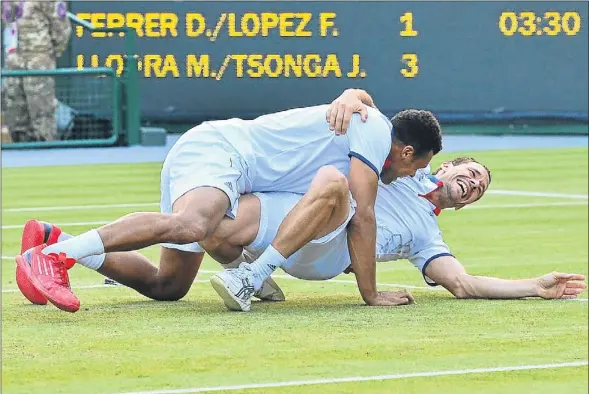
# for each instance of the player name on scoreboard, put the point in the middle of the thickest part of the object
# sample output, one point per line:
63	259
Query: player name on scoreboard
234	25
194	24
310	65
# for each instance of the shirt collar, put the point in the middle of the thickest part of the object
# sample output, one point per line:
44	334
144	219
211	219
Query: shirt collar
438	184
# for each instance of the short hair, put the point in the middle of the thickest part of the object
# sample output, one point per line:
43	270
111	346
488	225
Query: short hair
419	129
462	160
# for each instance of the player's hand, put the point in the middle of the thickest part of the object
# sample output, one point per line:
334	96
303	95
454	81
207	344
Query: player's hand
341	109
560	285
392	298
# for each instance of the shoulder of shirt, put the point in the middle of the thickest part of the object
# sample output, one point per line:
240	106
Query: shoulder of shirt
375	114
287	111
376	124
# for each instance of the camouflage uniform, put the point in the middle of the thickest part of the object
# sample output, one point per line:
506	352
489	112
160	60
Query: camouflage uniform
43	34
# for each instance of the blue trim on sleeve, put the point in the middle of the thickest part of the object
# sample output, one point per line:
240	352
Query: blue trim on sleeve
429	261
365	161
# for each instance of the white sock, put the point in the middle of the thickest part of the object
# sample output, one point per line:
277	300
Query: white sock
267	263
93	261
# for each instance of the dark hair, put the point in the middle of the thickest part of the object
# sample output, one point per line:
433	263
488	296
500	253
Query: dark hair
461	160
419	129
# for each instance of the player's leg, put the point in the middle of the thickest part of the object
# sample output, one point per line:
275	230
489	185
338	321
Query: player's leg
195	215
226	244
199	184
325	209
168	282
321	211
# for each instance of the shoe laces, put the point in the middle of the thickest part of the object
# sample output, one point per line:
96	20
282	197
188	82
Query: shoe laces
62	262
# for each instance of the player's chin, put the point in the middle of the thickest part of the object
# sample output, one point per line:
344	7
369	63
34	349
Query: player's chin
456	193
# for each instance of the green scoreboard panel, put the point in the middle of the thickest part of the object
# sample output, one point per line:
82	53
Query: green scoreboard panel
222	59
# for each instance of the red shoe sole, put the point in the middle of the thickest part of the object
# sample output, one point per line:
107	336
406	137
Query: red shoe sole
26	271
32	236
27	288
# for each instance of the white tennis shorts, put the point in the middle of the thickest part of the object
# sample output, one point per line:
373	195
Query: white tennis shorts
202	157
320	259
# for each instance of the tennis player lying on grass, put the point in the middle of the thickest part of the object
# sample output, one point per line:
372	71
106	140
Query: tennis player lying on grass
202	178
407	228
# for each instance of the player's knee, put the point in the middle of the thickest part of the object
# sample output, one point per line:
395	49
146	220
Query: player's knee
331	176
213	243
332	184
166	289
169	295
186	229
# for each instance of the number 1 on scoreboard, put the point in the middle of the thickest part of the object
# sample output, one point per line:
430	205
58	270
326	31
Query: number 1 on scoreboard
407	20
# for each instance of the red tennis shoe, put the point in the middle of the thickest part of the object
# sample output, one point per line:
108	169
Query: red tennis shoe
48	274
35	233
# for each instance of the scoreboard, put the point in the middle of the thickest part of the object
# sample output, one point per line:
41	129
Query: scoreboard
201	60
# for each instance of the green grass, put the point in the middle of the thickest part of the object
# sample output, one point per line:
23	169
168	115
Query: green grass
120	341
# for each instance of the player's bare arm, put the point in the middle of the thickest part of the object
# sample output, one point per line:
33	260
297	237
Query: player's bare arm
449	273
362	237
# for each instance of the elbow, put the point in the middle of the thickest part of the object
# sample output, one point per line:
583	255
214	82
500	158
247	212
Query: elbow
459	293
363	215
459	287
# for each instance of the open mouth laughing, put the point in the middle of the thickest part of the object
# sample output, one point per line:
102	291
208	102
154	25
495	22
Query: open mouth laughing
463	187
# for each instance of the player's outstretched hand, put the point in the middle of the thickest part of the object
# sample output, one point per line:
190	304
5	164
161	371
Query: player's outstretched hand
392	298
341	109
560	285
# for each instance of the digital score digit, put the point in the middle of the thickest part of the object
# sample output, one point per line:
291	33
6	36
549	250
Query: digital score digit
407	21
411	68
550	23
410	61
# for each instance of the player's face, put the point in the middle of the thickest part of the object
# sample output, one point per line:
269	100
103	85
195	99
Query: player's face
465	183
402	162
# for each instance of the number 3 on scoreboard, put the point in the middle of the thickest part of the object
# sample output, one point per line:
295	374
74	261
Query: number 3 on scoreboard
411	68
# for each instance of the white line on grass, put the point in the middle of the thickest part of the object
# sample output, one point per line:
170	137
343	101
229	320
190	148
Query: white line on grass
274	276
494	206
81	207
537	194
73	287
352	282
365	378
100	223
531	205
397	285
149	204
97	287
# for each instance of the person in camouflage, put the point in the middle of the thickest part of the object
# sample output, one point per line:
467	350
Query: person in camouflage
35	34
